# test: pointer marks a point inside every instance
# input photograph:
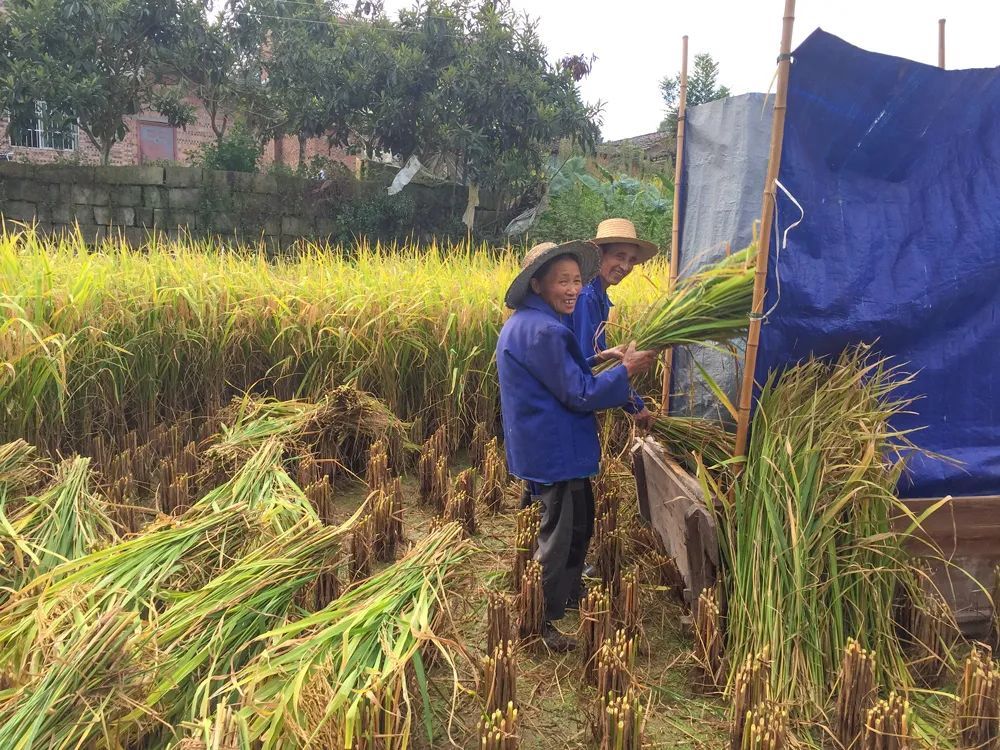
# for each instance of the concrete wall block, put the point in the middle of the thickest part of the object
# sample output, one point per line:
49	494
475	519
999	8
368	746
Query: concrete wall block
144	217
62	213
123	216
102	215
223	222
128	175
162	218
14	170
182	176
65	173
127	195
185	198
95	195
264	183
185	219
19	211
295	225
154	197
325	227
83	213
272	227
244	181
34	191
136	236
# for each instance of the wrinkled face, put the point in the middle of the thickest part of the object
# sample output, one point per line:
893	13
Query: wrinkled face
617	262
560	286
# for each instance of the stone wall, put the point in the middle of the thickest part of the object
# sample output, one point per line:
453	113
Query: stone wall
134	201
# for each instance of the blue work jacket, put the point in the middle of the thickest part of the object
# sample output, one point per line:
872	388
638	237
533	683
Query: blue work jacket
548	396
590	316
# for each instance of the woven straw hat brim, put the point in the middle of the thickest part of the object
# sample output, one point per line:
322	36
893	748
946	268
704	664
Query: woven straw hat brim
585	252
647	249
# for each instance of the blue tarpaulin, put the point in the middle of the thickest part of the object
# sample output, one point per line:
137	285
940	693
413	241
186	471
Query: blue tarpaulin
897	167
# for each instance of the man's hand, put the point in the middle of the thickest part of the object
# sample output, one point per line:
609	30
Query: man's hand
643	421
636	363
614	353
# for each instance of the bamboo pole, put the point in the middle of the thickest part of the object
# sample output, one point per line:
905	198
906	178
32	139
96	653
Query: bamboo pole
764	241
941	43
675	233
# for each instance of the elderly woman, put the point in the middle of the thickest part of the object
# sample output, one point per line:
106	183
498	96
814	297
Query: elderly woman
548	396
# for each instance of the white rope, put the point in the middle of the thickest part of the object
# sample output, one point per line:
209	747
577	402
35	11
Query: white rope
779	246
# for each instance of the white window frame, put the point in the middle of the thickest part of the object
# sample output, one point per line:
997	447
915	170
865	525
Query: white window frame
40	137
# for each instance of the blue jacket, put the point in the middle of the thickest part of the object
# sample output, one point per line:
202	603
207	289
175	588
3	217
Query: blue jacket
548	397
593	307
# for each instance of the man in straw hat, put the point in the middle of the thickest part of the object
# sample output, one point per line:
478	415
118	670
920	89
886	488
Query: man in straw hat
621	251
548	396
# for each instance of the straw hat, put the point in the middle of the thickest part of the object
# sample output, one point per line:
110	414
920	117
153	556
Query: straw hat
586	255
610	231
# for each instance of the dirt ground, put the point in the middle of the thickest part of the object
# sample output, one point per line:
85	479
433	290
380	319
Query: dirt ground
555	705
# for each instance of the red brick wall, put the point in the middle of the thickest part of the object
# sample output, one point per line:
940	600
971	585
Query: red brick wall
188	141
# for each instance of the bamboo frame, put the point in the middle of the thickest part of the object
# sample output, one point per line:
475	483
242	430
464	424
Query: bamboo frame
766	219
941	43
675	232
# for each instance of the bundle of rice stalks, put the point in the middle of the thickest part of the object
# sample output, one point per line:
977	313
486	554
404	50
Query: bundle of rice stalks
766	729
498	731
340	426
710	306
225	730
461	503
856	695
387	519
595	626
491	489
320	497
477	447
689	439
498	687
19	468
315	675
932	636
750	691
377	471
440	485
806	527
327	587
206	635
615	664
261	483
498	628
84	687
978	709
63	522
888	725
308	471
174	491
529	524
609	552
362	549
627	610
621	719
530	602
708	644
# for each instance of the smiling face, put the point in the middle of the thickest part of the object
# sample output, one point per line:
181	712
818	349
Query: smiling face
559	284
617	261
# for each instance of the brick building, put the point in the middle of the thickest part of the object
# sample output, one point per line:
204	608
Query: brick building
149	139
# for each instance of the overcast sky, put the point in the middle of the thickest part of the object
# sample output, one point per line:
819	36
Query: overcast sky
637	42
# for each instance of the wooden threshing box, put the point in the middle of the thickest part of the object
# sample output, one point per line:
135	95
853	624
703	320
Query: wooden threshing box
960	541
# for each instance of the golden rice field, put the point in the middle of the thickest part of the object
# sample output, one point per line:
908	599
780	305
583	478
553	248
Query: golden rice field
116	339
224	571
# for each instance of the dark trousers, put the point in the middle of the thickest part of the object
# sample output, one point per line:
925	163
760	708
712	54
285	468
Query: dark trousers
567	526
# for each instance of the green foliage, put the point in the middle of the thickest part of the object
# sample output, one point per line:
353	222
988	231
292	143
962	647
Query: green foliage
703	86
579	202
237	151
92	61
377	216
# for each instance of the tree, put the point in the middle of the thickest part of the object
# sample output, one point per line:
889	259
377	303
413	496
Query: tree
702	87
471	82
93	62
219	60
